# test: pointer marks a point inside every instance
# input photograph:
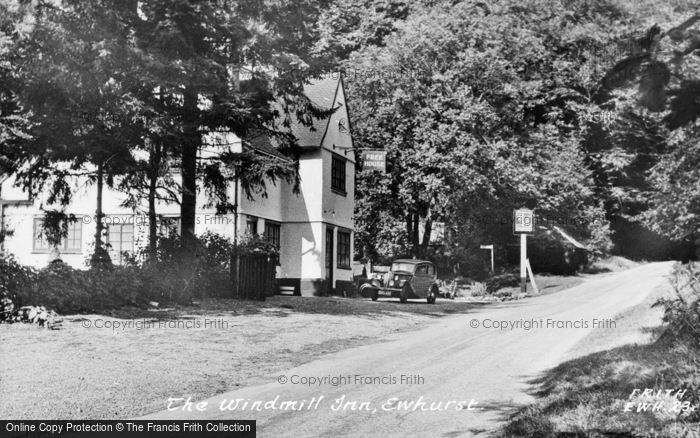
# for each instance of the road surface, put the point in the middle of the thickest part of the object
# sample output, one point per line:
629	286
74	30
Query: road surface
463	375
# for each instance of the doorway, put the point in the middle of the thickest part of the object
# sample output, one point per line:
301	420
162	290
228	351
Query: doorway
329	259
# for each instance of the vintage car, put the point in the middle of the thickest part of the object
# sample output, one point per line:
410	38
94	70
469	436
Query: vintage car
406	279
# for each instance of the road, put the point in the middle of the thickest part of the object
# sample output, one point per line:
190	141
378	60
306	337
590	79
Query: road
460	358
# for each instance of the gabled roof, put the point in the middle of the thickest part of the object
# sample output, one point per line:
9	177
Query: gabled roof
322	93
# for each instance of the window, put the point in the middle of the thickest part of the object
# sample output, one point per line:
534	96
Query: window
272	232
120	238
343	249
424	270
72	243
251	225
338	175
169	226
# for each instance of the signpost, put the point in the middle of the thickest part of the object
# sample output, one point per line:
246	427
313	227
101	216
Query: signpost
374	159
523	223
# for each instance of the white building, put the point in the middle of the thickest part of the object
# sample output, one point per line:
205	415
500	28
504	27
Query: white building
314	228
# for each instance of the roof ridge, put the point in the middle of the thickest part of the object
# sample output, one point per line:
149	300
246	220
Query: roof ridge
328	119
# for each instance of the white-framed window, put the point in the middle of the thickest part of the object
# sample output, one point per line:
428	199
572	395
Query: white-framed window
120	238
251	225
338	175
343	255
273	232
71	244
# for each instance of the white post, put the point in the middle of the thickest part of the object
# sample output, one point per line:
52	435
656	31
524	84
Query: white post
532	277
490	248
523	261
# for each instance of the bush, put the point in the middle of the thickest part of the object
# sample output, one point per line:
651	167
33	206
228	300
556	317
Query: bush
178	277
174	276
479	290
67	290
171	277
502	280
548	252
14	277
682	312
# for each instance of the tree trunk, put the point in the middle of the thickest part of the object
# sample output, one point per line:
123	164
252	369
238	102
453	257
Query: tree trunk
154	167
190	144
427	231
415	241
99	225
100	257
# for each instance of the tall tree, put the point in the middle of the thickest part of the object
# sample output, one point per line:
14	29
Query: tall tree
199	51
648	159
77	85
15	25
478	116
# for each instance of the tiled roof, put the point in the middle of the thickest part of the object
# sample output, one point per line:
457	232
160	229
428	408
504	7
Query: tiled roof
322	93
264	144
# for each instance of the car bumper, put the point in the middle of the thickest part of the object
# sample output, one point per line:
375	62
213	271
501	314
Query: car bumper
389	291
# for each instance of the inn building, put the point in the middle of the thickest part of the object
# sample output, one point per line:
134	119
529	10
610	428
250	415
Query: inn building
313	228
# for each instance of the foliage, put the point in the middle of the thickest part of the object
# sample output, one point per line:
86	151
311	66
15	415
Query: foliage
675	200
478	116
66	290
14	277
478	290
199	56
649	86
350	25
588	395
682	311
163	279
256	244
208	273
14	119
120	92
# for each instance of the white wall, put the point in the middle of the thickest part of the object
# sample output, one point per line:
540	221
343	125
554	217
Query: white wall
338	209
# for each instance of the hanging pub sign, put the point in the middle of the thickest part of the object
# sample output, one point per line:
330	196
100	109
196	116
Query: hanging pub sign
374	159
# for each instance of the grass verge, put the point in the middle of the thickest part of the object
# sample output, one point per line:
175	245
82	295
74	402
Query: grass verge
598	394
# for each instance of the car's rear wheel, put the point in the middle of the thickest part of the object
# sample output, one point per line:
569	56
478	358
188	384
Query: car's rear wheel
405	292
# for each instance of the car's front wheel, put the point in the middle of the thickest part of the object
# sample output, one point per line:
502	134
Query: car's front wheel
432	296
405	292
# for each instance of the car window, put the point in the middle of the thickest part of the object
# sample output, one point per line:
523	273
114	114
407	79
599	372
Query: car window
408	267
430	269
422	270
